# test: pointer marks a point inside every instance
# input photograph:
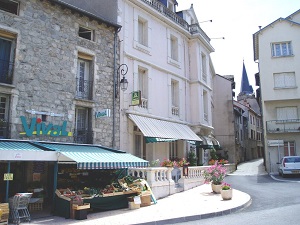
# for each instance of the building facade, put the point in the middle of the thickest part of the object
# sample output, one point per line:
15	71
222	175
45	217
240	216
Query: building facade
275	50
167	54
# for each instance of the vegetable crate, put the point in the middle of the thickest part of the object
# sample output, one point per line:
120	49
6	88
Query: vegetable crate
4	213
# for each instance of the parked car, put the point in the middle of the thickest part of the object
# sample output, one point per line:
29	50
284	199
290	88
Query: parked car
289	165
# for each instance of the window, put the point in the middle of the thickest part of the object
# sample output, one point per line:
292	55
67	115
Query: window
82	132
284	80
86	33
9	6
143	32
174	47
139	144
205	105
83	79
287	113
171	6
289	148
6	60
204	70
143	86
282	49
173	150
175	97
4	108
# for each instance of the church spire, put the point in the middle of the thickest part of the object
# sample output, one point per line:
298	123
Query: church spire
246	88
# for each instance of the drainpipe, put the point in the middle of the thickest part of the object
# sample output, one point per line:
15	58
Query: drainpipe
115	90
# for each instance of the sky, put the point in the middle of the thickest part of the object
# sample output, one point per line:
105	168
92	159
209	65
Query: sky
236	21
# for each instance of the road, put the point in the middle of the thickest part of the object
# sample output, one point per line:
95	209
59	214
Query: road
275	200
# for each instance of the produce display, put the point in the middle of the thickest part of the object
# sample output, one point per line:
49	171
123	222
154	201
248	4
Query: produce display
126	185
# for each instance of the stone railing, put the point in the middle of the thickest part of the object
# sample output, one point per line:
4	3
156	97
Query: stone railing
160	178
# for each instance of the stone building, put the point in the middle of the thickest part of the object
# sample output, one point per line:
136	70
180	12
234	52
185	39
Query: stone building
57	71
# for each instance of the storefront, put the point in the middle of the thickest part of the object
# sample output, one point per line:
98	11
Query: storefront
44	167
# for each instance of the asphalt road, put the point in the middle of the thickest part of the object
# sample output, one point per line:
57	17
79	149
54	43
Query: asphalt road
275	200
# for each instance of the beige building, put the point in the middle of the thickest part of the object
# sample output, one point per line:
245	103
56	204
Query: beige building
275	50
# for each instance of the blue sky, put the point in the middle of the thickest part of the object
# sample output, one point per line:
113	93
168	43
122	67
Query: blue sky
237	21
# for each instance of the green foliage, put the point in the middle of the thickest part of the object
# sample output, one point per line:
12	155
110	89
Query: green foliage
213	154
192	158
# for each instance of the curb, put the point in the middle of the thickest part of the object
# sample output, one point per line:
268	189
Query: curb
200	216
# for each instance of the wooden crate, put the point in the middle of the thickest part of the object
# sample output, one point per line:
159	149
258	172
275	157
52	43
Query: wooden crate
5	213
80	207
145	200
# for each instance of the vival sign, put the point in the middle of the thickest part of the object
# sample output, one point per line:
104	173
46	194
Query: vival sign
39	128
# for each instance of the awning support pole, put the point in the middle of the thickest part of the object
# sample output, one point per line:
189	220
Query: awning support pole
54	182
7	182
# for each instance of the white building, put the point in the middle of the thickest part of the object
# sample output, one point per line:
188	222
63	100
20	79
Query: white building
276	50
168	59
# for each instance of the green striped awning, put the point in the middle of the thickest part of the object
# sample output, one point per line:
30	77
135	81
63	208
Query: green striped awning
154	139
24	150
94	157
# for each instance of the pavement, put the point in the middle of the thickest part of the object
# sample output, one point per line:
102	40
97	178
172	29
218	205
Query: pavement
194	204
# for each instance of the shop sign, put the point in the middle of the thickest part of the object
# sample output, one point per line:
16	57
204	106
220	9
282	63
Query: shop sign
275	143
102	113
136	98
38	128
8	176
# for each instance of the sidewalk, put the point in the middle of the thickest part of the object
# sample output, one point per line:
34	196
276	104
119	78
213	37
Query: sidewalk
194	204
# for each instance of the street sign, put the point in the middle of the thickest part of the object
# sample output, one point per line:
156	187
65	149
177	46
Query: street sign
8	176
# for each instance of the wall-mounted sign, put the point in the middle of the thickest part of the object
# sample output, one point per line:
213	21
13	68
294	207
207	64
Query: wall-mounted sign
8	176
38	128
275	143
102	113
136	98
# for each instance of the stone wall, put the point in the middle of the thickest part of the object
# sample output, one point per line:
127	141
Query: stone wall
45	68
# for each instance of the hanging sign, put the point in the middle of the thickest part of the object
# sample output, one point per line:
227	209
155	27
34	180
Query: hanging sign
136	98
8	176
102	113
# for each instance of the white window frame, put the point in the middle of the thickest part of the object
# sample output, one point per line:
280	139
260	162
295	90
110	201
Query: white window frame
205	105
143	86
174	48
204	67
83	76
173	149
142	44
175	97
284	80
143	31
287	113
86	33
281	49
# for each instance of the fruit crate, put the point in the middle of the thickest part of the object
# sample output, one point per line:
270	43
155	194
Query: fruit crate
4	213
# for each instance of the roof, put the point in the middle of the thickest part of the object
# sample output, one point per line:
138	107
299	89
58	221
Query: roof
85	12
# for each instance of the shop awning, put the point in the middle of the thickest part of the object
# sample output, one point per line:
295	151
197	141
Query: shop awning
210	143
94	157
154	139
163	129
18	150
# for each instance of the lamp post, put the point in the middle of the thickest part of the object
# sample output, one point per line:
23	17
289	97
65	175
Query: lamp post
122	70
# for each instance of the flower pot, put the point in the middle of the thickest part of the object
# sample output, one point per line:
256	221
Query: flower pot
226	194
216	188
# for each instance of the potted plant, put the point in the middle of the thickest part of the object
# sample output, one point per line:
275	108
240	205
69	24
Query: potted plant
226	191
215	175
168	163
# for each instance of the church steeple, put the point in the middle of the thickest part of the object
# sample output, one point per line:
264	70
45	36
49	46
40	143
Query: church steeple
246	88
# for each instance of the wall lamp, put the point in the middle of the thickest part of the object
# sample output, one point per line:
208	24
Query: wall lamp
122	70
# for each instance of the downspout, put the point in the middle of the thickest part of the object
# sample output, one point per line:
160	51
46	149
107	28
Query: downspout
115	88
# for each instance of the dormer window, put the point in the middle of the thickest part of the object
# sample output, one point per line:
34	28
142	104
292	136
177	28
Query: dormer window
9	6
171	6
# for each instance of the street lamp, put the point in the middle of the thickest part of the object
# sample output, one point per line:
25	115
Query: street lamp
122	70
